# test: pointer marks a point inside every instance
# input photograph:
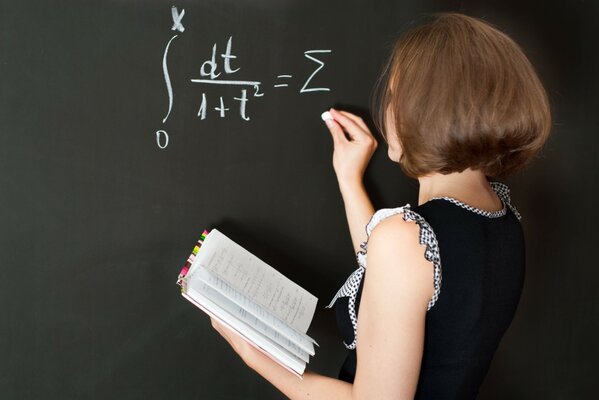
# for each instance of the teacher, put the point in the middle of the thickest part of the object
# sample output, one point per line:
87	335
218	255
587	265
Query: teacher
438	283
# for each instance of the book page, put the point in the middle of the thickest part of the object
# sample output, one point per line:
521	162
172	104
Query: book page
249	319
225	293
267	346
257	280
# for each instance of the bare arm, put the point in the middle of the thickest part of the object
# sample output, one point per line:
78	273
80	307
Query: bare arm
358	210
350	158
391	325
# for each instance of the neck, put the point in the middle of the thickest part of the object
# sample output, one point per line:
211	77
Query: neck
456	184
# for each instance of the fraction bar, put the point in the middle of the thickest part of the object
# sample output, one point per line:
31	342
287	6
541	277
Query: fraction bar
217	82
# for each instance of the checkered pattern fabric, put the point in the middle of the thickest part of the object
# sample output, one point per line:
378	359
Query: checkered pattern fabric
426	237
502	191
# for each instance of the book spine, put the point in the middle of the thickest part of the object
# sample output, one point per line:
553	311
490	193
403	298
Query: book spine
180	280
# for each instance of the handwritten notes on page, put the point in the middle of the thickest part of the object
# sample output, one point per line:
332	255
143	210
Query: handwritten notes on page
254	278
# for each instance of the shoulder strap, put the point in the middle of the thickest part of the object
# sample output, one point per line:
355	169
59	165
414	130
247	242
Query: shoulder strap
503	191
383	213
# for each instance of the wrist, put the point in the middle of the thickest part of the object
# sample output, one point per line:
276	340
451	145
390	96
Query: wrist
351	186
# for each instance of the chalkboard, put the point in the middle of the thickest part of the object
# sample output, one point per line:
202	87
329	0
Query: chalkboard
130	126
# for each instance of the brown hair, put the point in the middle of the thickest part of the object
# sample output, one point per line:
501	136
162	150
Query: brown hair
462	94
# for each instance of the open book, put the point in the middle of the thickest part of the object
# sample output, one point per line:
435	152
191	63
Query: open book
259	303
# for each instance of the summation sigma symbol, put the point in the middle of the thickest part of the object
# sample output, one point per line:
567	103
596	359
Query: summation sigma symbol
211	74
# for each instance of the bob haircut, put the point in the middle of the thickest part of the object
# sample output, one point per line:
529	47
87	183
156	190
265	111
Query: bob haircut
461	94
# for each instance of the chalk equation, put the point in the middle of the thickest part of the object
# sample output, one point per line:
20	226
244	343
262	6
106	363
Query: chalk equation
222	69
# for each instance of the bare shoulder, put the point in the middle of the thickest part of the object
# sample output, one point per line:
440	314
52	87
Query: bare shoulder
394	249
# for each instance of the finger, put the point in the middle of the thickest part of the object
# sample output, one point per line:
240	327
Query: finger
231	337
354	130
336	131
355	118
223	328
227	338
220	329
217	325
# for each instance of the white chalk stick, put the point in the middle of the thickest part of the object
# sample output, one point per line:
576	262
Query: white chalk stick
326	116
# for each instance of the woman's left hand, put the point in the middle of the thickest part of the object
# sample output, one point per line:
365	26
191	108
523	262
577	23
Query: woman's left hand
248	353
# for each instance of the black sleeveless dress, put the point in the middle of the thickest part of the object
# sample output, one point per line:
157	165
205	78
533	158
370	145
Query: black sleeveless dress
478	259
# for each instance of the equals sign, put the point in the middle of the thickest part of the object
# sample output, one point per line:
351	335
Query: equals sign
282	84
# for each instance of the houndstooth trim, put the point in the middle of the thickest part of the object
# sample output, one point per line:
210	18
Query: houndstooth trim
502	191
352	284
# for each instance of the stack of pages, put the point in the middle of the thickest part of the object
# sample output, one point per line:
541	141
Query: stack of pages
259	303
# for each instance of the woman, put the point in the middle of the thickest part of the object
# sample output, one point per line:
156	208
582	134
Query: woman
459	106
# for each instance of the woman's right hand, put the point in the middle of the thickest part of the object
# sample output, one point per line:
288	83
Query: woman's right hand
350	155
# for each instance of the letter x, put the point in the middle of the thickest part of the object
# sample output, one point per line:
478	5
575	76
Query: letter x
177	19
